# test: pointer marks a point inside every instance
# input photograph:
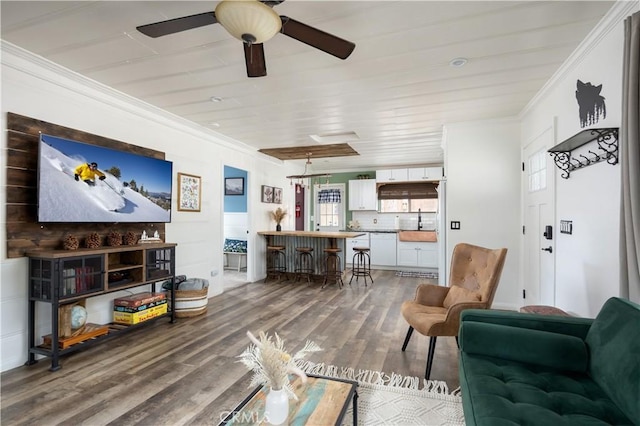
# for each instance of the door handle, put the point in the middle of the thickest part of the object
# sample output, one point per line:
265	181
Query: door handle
549	249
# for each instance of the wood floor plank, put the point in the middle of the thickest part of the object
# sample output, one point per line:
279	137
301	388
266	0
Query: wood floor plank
188	373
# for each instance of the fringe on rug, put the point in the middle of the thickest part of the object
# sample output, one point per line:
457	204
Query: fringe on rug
379	378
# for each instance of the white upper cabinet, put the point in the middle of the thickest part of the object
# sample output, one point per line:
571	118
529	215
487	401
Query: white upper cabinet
425	173
362	194
415	174
391	175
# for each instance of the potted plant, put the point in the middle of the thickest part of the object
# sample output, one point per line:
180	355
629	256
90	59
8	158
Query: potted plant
278	215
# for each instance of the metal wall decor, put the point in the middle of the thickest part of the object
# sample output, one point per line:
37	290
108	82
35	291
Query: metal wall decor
590	103
607	149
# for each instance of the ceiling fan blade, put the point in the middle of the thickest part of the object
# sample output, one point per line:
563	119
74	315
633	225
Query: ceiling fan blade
317	38
176	25
254	58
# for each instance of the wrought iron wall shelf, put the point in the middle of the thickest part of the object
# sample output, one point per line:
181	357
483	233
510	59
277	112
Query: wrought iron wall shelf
607	149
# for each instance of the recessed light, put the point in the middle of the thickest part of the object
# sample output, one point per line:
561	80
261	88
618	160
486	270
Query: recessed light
458	62
216	99
214	124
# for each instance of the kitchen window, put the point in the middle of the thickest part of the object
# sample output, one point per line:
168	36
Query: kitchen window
408	197
409	206
329	207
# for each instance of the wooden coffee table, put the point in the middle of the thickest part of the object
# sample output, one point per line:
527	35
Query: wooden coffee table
321	401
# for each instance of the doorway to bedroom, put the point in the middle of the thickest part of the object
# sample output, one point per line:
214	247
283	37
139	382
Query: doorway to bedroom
235	228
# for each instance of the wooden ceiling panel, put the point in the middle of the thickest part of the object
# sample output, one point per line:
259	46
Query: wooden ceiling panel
314	151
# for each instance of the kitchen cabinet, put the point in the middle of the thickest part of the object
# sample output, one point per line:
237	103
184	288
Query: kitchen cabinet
362	194
383	248
361	241
417	254
391	175
424	173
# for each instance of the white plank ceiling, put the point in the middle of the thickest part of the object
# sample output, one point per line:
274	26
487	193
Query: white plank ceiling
396	91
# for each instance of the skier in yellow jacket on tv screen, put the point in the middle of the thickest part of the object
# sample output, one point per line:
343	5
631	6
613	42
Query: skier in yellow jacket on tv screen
88	173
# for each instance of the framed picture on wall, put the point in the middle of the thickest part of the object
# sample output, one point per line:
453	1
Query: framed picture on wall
267	194
277	195
234	186
189	192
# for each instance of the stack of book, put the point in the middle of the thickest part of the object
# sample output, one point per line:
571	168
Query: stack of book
139	307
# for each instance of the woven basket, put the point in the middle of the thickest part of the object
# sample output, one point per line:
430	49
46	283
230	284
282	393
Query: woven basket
191	303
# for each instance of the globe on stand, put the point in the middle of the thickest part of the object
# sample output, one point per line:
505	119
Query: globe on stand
78	316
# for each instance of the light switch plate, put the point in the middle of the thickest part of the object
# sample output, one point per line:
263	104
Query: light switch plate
455	224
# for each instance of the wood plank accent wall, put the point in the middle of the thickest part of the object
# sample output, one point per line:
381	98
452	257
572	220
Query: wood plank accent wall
24	233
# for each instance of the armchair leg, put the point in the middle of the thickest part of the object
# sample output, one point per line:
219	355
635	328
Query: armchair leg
432	349
406	339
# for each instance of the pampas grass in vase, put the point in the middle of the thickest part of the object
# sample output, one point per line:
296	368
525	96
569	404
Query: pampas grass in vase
278	216
271	364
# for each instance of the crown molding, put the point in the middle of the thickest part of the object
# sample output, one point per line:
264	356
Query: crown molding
38	67
616	15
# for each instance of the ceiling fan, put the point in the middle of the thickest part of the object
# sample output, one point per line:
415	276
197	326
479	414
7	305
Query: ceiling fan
253	22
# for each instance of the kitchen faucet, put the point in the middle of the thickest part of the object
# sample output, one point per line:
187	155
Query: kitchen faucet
419	220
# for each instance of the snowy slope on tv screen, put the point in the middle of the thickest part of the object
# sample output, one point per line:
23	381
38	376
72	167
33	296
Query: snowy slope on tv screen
134	188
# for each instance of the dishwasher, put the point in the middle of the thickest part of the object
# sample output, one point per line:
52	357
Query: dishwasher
383	248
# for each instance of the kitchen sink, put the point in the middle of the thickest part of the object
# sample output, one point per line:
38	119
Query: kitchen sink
418	236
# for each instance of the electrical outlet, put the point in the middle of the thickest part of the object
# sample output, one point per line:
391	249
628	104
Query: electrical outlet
455	224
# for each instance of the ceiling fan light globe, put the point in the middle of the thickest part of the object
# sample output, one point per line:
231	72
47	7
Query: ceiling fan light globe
242	18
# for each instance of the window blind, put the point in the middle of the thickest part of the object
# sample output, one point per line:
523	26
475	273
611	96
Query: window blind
408	191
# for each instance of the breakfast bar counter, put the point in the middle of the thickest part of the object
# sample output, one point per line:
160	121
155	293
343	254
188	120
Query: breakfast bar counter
318	240
331	236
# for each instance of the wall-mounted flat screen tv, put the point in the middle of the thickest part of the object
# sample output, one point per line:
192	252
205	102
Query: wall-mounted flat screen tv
79	182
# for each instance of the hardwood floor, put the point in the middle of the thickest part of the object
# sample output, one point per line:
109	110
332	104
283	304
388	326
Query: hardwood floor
187	373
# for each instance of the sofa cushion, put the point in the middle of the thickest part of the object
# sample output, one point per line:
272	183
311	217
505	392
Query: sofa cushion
543	348
459	294
501	392
614	346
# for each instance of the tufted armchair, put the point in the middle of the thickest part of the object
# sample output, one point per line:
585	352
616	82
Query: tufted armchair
473	280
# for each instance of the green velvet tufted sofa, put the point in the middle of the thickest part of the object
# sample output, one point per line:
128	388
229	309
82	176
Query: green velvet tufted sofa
528	369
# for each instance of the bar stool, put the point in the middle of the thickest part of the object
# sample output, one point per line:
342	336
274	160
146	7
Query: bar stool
361	264
304	263
276	262
333	270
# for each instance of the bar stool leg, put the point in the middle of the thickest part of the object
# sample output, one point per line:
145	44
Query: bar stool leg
361	266
304	264
333	270
276	263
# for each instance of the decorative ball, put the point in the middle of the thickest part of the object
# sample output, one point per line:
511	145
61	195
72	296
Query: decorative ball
93	240
114	238
78	316
70	242
130	239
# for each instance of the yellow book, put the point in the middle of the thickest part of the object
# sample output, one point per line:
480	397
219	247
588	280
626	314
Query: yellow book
131	318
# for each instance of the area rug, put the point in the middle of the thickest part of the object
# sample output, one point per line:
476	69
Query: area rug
413	274
396	400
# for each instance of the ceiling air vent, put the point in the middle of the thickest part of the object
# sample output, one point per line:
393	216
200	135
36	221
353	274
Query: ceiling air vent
331	138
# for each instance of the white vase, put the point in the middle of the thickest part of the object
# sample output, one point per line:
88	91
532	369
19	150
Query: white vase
276	409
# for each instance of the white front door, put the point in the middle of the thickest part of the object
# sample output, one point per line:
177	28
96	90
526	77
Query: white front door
539	245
